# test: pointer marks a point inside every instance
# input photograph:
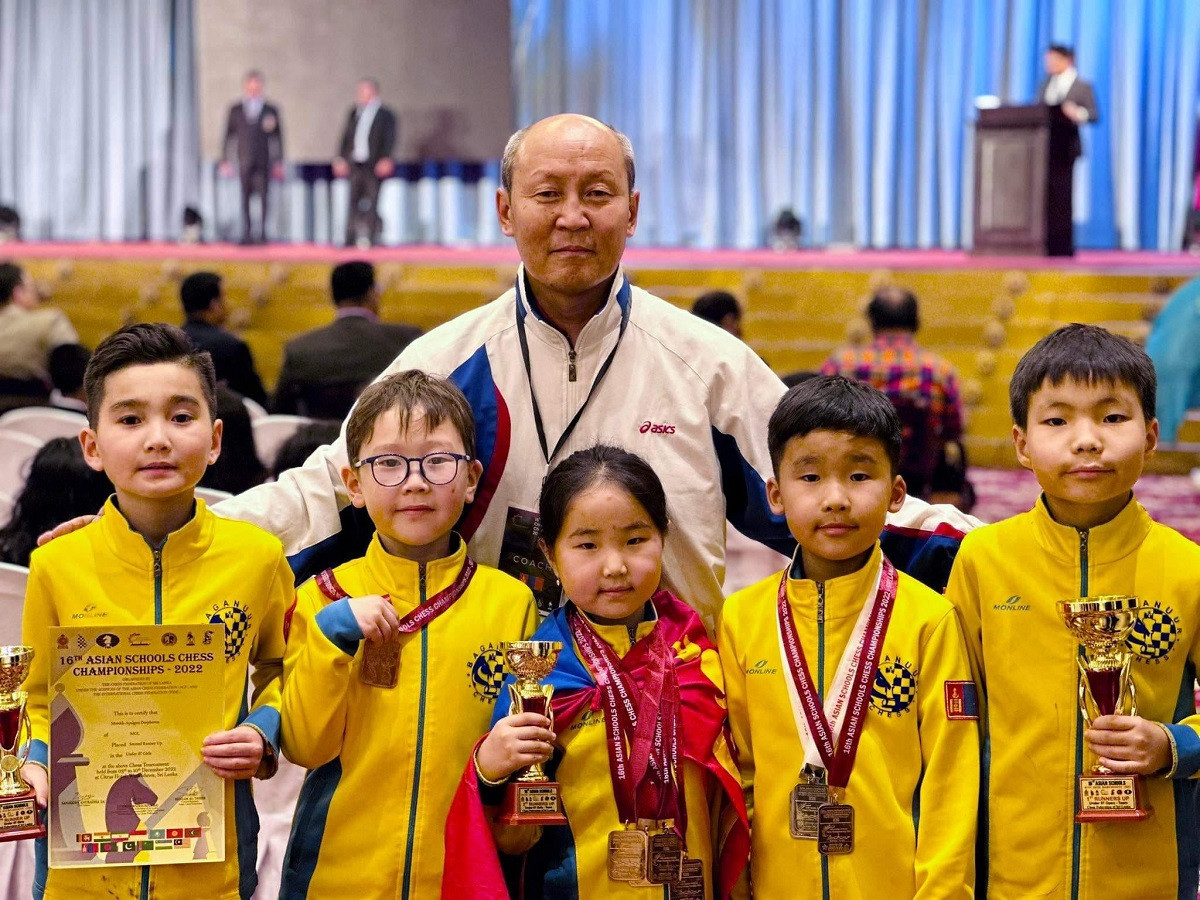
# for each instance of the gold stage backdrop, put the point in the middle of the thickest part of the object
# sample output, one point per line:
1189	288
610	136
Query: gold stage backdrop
442	66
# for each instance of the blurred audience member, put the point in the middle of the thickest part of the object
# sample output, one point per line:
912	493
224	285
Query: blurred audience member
786	231
365	157
67	364
254	137
27	335
722	309
204	305
921	385
193	226
238	468
949	483
10	225
60	486
1171	344
300	446
324	370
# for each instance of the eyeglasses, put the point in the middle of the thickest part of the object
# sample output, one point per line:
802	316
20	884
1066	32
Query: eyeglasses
392	469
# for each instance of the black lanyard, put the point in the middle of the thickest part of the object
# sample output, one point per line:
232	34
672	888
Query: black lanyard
537	413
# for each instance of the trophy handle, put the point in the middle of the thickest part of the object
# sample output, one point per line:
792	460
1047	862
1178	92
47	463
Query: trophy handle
514	705
27	729
1127	686
1083	692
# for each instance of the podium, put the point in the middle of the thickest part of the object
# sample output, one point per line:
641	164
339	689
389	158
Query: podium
1023	161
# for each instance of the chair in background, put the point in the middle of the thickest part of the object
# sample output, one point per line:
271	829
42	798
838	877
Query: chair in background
16	450
6	508
12	598
255	409
43	422
271	431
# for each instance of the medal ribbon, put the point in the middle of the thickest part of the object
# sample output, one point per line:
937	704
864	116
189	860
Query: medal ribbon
837	746
425	612
651	725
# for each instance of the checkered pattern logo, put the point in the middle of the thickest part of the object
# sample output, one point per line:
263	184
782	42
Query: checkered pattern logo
895	687
236	619
487	673
1155	633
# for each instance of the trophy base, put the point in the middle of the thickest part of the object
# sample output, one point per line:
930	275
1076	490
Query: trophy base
1111	798
532	803
19	818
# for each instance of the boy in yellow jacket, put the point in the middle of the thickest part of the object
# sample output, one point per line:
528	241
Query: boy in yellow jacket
394	660
1083	412
849	689
157	555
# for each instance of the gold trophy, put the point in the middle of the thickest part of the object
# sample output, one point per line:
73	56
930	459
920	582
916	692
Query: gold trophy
1100	625
531	798
18	804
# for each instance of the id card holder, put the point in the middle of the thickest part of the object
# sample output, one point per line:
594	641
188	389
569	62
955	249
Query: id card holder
521	558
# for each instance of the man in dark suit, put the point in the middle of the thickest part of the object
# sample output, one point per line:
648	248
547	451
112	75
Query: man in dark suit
365	155
324	370
254	133
204	306
1064	88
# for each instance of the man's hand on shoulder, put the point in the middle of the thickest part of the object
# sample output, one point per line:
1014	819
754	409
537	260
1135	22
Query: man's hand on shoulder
66	528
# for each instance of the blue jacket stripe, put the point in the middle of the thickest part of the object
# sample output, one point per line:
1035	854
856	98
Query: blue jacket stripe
474	378
308	830
245	820
1187	789
746	497
350	542
338	624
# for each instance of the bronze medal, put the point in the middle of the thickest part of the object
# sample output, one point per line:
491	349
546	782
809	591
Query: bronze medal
380	664
627	853
835	829
666	857
690	885
807	798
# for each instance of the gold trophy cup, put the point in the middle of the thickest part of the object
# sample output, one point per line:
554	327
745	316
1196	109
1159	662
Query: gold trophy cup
531	798
18	804
1101	625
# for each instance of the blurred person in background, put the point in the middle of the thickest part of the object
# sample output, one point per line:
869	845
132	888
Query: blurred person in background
301	445
203	300
28	332
365	157
722	309
254	137
238	468
67	364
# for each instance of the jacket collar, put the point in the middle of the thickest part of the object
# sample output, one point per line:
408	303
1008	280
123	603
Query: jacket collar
181	546
606	321
1109	542
401	578
617	636
844	596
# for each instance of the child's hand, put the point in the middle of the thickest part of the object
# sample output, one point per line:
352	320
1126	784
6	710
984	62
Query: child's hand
234	754
513	743
35	777
376	618
1129	745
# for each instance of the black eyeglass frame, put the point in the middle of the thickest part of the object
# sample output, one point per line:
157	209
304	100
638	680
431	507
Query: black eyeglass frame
459	458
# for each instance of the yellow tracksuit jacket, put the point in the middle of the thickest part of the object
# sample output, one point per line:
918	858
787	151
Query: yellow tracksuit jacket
1005	584
385	761
210	570
915	782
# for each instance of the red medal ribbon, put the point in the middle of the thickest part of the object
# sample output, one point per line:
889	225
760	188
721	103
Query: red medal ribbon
838	752
651	726
425	612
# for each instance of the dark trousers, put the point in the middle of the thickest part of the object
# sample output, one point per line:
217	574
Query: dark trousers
255	181
1060	202
364	204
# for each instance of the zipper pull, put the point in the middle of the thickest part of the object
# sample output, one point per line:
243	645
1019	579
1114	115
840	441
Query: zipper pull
158	563
421	580
571	373
821	603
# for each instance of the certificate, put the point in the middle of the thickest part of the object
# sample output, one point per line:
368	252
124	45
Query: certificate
130	707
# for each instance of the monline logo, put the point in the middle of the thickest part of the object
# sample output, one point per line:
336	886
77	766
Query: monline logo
1012	604
761	668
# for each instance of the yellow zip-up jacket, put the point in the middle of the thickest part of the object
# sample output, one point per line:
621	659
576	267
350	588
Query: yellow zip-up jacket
1005	584
210	570
385	761
915	782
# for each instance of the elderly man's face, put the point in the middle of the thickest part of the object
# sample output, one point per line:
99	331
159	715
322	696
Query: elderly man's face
570	209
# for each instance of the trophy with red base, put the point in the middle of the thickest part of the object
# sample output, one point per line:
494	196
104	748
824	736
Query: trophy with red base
1101	625
18	804
531	798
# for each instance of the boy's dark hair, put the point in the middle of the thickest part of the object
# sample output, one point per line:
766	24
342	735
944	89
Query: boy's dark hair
66	365
439	399
1086	353
893	308
715	306
198	292
1064	50
11	277
597	465
145	344
351	281
834	403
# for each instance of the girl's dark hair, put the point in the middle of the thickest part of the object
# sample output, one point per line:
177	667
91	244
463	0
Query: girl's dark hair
60	486
238	467
595	465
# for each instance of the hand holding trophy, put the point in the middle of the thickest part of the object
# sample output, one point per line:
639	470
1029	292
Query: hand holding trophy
1101	625
18	804
531	798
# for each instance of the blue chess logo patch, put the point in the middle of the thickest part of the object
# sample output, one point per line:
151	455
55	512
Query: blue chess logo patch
895	687
487	673
1155	633
236	619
